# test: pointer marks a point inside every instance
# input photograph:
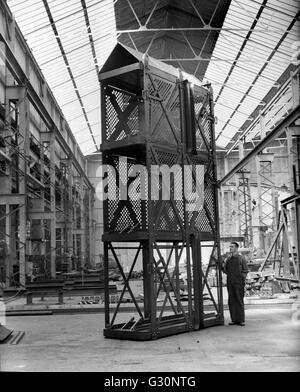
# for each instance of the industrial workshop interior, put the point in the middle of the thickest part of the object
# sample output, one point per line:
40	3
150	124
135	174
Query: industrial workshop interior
149	187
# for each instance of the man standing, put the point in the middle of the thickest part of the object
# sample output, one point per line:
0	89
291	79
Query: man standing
236	269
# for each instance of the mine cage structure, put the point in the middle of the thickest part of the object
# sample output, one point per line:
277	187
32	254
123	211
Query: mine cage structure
156	116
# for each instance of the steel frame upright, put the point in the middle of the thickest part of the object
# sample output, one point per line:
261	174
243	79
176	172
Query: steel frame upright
152	116
244	206
266	196
29	159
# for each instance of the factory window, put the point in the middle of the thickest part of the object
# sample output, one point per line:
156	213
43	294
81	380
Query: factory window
78	217
13	112
2	222
58	195
2	99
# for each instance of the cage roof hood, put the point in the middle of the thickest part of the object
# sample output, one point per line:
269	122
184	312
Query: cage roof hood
123	55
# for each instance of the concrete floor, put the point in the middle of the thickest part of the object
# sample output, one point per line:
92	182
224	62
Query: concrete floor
269	342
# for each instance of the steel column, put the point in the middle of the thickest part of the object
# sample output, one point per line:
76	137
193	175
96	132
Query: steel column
244	205
266	196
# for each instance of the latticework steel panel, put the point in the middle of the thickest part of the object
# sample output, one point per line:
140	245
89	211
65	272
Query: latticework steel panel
160	196
245	212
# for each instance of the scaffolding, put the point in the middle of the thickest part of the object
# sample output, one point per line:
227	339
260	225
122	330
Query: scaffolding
267	199
282	256
244	207
37	197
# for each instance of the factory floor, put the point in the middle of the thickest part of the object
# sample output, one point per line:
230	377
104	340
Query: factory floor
270	341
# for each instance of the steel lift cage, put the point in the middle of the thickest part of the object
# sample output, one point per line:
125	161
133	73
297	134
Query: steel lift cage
158	149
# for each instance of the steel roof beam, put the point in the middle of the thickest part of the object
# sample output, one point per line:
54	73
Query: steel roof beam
60	19
250	127
204	28
38	104
243	46
59	42
286	122
261	70
91	38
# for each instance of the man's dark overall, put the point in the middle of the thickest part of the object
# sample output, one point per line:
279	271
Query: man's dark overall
235	268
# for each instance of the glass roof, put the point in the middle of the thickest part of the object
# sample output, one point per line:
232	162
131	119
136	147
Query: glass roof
252	58
71	40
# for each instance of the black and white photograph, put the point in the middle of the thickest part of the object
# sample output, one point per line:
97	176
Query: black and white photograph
149	189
